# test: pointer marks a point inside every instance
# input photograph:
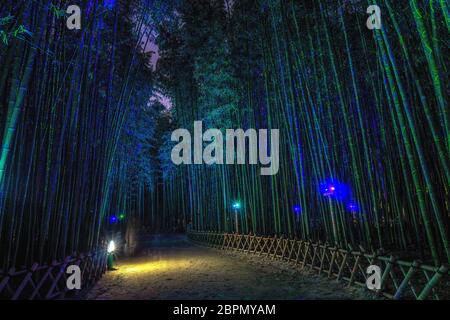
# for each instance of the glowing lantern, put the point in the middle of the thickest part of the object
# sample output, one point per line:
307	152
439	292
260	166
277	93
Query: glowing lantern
111	246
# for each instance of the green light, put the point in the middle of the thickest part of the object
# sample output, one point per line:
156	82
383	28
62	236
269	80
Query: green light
236	205
121	217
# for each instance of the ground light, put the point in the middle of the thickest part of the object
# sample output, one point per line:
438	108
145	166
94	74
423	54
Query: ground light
110	260
297	211
113	219
236	206
353	208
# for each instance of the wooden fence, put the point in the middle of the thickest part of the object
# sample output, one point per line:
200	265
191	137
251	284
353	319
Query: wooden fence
400	279
48	281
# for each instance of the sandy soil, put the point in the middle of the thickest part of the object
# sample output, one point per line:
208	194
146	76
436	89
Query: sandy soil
176	269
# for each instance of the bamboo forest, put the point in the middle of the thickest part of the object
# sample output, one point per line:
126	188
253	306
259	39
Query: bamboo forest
111	111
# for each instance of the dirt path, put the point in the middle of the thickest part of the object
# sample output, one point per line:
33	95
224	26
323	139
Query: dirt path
175	269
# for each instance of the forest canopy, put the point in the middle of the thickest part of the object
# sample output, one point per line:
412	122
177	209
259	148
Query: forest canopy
86	118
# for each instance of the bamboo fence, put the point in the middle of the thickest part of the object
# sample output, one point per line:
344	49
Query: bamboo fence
400	279
48	281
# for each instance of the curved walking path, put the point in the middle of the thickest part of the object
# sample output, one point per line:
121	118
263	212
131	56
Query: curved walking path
171	268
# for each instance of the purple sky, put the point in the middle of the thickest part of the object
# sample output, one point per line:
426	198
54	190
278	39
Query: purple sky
164	100
153	47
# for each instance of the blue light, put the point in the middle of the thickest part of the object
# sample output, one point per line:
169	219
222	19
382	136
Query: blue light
112	219
297	209
352	206
109	4
334	189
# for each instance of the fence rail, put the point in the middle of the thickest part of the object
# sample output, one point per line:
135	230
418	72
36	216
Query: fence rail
48	281
400	279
